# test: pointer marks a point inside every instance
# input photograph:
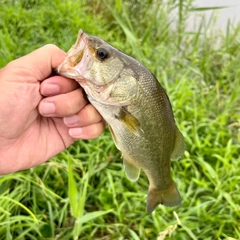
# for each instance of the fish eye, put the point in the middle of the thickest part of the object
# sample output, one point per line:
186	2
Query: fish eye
102	53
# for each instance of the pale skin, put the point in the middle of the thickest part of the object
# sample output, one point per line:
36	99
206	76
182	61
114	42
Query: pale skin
41	115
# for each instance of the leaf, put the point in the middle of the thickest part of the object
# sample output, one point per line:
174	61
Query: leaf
196	9
46	231
22	206
72	190
90	216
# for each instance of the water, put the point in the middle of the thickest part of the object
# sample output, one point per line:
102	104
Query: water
230	13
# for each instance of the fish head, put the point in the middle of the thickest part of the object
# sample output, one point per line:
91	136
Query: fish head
102	70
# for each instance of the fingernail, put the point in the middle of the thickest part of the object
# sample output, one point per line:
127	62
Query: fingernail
47	108
71	120
75	132
50	89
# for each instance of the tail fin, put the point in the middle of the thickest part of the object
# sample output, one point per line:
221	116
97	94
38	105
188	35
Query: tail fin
169	197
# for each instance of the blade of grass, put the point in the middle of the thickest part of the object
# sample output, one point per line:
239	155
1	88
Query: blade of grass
20	205
72	190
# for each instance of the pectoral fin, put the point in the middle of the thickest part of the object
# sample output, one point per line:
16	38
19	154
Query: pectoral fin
131	170
129	121
179	146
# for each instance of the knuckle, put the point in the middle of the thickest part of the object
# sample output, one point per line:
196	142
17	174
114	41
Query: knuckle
85	113
51	46
99	127
74	102
91	114
95	130
70	106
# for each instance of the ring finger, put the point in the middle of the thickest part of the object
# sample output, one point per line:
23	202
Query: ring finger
87	116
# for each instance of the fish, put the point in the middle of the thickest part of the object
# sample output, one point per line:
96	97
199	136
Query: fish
137	110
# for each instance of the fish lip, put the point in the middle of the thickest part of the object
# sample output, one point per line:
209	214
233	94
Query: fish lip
82	38
75	55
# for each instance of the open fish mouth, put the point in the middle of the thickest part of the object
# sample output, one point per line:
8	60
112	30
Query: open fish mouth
75	56
79	61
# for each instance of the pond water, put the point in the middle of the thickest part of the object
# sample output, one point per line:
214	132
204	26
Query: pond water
231	12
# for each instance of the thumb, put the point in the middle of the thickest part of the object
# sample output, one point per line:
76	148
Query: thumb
39	63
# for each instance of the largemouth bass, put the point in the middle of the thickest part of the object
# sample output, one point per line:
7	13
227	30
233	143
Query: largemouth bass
137	110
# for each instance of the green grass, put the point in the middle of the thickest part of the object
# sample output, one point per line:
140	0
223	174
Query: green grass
83	192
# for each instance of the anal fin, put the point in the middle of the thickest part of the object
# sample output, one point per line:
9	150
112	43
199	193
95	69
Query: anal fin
179	146
131	170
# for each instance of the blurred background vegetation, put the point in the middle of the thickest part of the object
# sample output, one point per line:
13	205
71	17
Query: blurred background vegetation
83	192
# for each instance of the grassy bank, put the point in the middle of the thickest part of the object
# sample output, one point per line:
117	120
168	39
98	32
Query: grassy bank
83	192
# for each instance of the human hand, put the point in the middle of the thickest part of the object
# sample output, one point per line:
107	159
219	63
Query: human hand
41	115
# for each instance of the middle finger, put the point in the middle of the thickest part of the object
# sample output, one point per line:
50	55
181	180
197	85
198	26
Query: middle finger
63	105
87	116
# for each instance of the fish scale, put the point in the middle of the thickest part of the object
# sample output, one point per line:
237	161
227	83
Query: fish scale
137	110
